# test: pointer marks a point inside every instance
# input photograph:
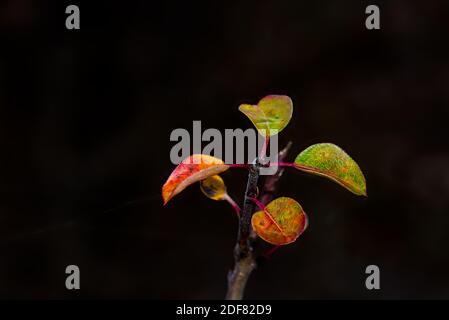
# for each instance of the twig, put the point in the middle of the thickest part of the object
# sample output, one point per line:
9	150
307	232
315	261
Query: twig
271	182
243	251
244	257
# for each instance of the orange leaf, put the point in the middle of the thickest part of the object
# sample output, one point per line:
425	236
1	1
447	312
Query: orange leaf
192	169
281	222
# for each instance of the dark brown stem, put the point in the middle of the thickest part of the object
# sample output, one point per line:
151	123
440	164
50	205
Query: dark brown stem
238	277
243	251
244	257
271	182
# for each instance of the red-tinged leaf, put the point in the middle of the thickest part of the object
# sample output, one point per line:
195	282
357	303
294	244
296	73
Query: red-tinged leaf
192	169
281	222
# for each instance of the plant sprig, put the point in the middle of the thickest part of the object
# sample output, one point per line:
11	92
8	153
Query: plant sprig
282	220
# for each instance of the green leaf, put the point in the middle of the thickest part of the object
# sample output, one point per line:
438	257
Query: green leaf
330	161
271	115
281	222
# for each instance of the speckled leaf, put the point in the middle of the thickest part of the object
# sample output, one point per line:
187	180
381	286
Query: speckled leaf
214	188
330	161
270	115
282	221
195	168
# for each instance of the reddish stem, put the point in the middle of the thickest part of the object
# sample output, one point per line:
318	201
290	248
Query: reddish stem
258	203
234	205
282	164
263	152
270	252
238	165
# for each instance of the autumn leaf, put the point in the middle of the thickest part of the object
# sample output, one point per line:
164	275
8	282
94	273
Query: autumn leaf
270	115
192	169
214	188
330	161
281	222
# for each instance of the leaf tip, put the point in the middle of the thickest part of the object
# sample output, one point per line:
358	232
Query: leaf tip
244	107
165	195
364	193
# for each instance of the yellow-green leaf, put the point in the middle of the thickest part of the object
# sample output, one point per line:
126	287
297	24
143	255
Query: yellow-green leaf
281	222
194	168
214	188
330	161
270	115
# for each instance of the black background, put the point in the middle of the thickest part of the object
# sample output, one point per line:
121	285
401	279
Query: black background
85	120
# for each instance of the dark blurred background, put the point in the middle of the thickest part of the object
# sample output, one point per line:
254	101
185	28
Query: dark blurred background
86	116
